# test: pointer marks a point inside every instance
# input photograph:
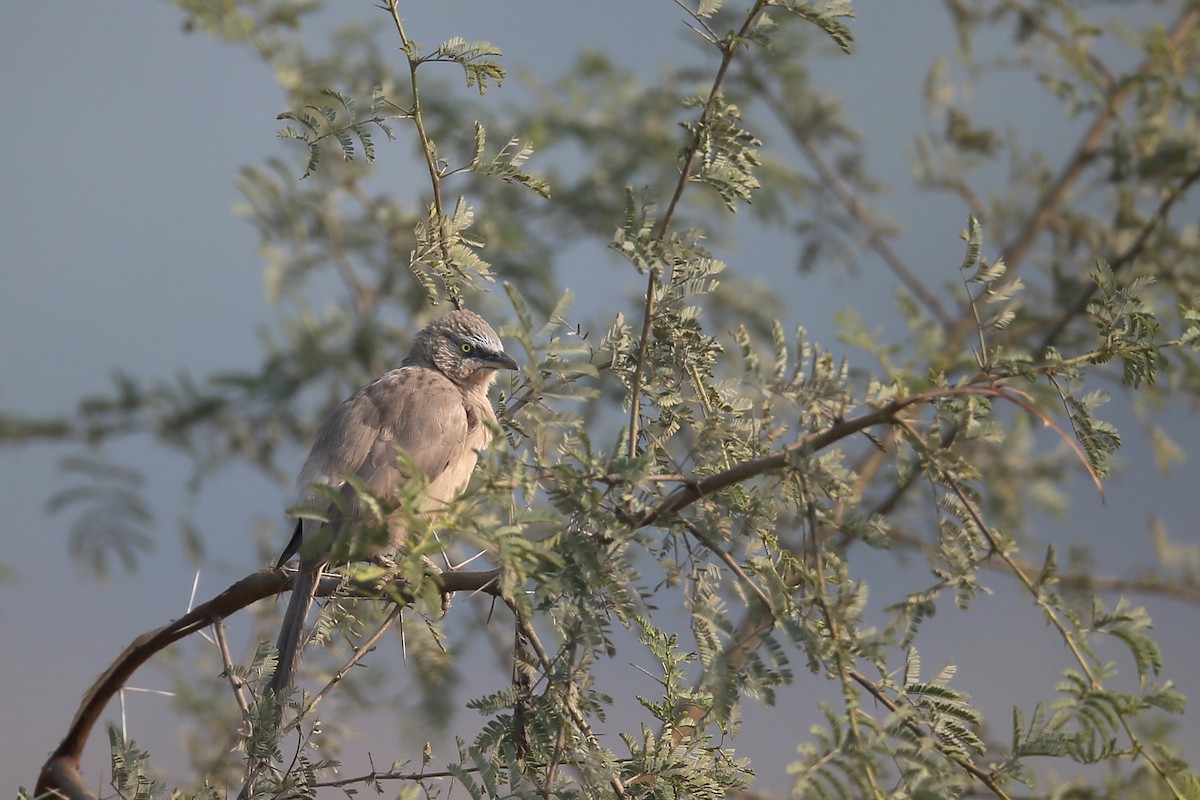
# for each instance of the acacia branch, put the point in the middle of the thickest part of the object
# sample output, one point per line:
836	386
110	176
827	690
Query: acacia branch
1118	94
60	774
749	634
1125	259
729	48
1148	583
360	653
427	147
691	492
985	777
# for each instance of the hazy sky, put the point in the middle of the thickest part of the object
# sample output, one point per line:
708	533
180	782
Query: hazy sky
122	140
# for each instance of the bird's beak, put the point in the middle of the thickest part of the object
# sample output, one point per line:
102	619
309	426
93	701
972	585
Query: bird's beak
503	361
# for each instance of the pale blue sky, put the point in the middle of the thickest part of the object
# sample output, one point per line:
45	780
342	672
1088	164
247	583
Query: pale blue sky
122	139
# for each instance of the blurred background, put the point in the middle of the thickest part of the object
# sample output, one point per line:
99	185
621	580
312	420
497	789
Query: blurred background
122	251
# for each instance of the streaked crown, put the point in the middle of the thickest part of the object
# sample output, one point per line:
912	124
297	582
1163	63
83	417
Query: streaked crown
463	347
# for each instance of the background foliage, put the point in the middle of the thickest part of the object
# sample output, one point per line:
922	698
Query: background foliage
687	484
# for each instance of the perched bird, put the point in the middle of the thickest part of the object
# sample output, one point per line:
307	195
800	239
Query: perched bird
435	409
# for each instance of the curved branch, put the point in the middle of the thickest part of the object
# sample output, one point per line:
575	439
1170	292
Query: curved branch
691	492
60	774
1117	95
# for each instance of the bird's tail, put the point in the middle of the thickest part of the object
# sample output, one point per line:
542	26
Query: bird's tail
304	587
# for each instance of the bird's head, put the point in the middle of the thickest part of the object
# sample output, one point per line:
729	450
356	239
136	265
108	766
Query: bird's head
464	348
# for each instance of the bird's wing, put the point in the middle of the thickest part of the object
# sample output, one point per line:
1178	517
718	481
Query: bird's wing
414	408
432	429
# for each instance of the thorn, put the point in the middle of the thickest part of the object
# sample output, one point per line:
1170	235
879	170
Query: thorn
437	538
478	555
403	641
195	586
481	588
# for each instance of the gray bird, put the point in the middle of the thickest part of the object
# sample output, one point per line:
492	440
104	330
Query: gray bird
434	408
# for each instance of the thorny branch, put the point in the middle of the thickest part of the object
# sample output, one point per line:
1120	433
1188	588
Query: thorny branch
61	773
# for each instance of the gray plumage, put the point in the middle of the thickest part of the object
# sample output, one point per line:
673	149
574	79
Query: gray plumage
435	408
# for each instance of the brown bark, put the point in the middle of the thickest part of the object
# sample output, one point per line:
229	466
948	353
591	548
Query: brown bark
60	775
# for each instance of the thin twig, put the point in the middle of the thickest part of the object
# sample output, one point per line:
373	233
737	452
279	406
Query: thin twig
1052	615
360	652
1079	581
835	630
1125	259
635	391
236	683
728	48
427	147
982	775
581	723
729	561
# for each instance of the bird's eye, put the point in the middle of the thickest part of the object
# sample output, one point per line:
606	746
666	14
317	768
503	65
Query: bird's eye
466	347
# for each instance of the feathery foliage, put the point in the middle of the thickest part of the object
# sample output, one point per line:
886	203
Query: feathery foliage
687	489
